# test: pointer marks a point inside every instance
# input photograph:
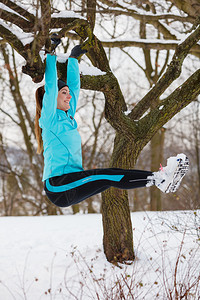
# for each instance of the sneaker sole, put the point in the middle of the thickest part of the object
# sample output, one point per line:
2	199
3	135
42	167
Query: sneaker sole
179	173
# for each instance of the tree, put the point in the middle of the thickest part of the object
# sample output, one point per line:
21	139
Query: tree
133	130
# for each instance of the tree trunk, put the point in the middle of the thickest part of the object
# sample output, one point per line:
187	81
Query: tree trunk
118	235
157	145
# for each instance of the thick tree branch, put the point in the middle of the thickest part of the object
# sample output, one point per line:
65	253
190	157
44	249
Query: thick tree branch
65	22
12	39
68	24
20	10
191	7
172	73
170	106
42	37
34	66
91	12
114	102
95	49
45	22
17	20
95	83
146	52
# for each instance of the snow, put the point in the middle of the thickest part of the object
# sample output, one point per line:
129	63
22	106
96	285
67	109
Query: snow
62	57
127	112
25	38
173	32
42	54
90	70
53	256
67	14
84	69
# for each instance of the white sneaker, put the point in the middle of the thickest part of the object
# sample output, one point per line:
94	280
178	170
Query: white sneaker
169	178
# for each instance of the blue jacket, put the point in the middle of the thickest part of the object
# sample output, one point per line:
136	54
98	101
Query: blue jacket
61	140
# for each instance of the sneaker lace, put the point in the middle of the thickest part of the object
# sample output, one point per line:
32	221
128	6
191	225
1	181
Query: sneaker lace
161	168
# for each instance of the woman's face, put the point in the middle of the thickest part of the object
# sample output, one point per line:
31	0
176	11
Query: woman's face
63	99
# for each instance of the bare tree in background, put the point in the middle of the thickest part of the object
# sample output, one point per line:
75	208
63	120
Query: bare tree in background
17	181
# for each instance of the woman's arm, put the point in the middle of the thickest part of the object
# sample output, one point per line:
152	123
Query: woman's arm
73	82
51	92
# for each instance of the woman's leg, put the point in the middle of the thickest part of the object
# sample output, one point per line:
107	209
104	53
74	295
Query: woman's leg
73	188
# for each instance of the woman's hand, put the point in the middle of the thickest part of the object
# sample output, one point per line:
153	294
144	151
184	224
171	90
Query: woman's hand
77	51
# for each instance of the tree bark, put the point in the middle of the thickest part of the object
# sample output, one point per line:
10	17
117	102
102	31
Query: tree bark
190	7
157	149
118	235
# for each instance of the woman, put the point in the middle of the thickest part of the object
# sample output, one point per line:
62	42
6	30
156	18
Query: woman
65	181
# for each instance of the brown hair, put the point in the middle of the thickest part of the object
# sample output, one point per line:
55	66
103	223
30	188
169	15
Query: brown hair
38	131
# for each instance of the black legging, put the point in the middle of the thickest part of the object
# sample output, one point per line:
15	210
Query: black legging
72	188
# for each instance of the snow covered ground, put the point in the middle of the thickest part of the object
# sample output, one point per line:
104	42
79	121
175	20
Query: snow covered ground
61	257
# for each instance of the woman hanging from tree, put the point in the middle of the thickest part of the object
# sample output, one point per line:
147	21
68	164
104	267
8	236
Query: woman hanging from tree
65	181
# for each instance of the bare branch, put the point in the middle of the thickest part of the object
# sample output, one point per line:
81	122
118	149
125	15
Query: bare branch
21	101
45	21
143	43
135	61
20	10
165	64
43	24
6	113
17	20
12	39
91	12
149	44
170	106
94	83
68	24
7	169
172	73
114	104
191	7
145	17
151	19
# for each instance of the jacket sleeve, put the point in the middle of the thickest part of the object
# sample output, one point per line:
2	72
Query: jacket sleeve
49	104
73	82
